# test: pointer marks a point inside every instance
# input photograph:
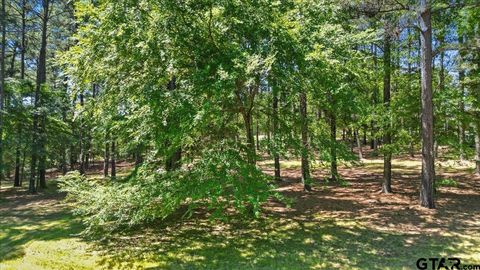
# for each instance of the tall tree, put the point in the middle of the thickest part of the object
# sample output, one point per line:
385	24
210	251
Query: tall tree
3	24
276	156
428	162
305	143
38	143
387	156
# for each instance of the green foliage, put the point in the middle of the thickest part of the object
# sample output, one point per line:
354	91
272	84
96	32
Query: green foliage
446	182
221	181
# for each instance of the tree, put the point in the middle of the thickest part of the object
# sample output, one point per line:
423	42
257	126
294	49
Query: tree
428	162
387	160
2	82
38	144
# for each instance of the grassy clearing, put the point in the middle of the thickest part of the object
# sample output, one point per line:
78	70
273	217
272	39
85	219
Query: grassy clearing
324	230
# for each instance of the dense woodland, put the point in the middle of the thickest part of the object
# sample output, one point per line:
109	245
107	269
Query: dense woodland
198	94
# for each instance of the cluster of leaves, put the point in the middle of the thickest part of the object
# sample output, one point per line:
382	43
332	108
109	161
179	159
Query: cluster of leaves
220	181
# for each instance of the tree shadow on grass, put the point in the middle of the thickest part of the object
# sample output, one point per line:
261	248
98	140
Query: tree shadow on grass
333	227
303	242
36	218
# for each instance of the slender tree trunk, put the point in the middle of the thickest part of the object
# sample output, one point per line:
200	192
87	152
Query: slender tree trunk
42	153
11	72
428	162
333	140
477	148
174	160
387	156
23	48
461	105
305	145
16	182
22	174
3	24
374	142
359	145
113	161
106	159
247	120
257	135
276	156
41	79
364	137
409	86
81	140
138	155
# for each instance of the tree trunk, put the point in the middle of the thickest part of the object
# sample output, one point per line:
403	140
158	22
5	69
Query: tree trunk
477	148
113	161
22	173
428	162
247	120
461	103
23	48
364	137
138	155
257	135
374	142
106	159
276	156
81	140
174	160
387	140
42	154
3	24
16	182
333	140
359	145
305	145
41	79
11	72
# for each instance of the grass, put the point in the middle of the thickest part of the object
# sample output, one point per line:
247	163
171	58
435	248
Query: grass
41	235
38	232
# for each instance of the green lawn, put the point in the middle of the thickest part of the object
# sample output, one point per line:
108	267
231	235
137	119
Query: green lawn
37	232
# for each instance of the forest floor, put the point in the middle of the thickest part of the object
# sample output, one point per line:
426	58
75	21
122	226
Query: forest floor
351	225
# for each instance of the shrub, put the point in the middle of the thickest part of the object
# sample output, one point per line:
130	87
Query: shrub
221	180
446	182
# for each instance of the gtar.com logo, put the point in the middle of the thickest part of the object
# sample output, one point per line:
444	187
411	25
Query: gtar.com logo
444	264
438	263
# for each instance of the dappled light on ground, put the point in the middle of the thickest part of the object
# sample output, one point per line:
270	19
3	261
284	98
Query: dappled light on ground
336	226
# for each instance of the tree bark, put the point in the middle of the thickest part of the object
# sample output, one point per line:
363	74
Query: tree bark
174	160
477	148
333	139
276	156
359	144
257	135
23	45
461	104
113	161
3	24
428	162
305	145
81	140
374	142
387	156
41	79
16	182
42	154
106	159
247	120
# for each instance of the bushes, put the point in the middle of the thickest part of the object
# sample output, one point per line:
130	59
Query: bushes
220	180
